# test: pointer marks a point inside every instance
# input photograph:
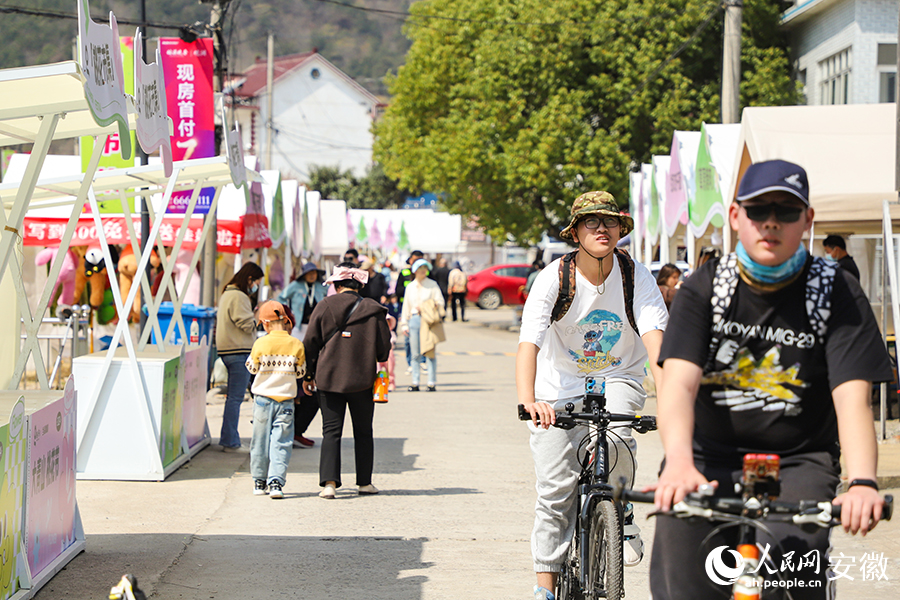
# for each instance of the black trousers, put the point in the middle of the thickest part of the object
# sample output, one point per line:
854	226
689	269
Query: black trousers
362	410
461	298
305	411
677	565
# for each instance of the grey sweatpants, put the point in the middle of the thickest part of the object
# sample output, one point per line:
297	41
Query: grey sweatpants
557	469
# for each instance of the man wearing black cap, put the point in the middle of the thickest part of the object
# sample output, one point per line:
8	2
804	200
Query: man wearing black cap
768	351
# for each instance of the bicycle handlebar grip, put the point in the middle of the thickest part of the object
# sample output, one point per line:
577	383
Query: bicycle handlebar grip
887	511
523	414
643	497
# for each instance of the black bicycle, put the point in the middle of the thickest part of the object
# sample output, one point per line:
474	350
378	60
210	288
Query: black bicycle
758	504
594	565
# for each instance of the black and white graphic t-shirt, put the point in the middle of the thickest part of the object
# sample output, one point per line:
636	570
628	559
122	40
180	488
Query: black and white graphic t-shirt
773	393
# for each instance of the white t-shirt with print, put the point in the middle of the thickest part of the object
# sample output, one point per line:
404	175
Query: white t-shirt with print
594	338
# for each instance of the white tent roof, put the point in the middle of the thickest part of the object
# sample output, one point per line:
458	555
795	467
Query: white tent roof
334	227
30	92
848	151
429	231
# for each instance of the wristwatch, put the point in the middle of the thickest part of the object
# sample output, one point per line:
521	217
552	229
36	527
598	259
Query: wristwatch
866	482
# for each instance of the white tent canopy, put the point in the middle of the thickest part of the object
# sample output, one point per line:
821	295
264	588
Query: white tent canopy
429	231
848	151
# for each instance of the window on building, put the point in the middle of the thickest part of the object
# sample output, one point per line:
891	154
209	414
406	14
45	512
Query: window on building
887	72
887	87
835	77
887	54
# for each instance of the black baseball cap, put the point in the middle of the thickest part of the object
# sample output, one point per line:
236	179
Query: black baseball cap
774	176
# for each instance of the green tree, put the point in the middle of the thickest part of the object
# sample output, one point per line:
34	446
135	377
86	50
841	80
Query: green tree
512	109
375	190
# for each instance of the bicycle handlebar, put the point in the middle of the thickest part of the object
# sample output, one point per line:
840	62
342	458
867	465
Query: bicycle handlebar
568	419
823	514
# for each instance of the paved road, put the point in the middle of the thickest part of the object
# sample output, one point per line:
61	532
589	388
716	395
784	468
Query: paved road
453	520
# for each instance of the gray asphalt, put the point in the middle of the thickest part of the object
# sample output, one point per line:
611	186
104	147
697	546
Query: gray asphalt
453	519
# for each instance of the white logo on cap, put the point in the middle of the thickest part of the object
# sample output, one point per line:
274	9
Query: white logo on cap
794	180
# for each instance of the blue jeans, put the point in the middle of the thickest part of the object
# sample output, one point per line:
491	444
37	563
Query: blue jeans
409	354
415	344
273	436
238	379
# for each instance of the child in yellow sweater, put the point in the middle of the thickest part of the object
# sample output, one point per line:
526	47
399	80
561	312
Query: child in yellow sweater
278	360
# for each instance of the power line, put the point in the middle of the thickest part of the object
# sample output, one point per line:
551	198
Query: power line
52	14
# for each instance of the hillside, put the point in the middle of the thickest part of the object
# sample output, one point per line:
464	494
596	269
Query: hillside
364	44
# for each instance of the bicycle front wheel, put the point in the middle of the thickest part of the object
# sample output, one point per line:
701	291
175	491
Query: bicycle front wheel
605	578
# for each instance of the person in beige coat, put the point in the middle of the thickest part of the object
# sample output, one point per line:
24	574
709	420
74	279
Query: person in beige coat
423	310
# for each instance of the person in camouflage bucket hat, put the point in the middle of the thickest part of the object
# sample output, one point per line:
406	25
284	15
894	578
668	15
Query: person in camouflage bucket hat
594	312
596	203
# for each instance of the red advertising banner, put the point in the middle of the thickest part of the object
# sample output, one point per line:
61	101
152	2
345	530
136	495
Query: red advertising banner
251	231
188	71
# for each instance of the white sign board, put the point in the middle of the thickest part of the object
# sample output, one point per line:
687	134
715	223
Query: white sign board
104	80
152	127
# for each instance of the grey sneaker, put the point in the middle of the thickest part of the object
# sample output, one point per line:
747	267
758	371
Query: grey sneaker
275	491
259	487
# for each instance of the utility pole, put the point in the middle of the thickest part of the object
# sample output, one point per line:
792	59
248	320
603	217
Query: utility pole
731	62
146	246
208	274
270	78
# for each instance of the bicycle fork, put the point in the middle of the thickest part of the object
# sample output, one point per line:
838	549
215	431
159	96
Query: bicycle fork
749	583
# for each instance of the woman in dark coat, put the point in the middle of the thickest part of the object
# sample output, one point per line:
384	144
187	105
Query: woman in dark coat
340	364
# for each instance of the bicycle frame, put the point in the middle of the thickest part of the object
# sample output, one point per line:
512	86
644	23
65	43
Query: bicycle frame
597	485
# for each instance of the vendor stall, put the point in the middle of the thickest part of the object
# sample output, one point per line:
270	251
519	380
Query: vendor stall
42	528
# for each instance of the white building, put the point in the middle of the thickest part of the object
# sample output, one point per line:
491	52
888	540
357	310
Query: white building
320	115
845	51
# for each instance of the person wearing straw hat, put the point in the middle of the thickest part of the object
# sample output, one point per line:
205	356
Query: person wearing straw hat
347	336
608	328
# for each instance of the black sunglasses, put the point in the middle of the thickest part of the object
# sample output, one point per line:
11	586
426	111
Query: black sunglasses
594	222
783	212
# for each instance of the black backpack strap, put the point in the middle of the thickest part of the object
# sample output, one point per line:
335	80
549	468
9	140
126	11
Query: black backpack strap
566	286
626	266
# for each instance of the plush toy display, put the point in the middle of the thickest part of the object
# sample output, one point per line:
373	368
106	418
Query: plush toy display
66	277
127	270
92	270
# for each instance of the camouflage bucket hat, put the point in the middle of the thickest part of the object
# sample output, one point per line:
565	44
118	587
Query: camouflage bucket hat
596	203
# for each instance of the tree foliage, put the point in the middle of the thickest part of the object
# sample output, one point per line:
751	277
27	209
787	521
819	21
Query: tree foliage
375	190
512	109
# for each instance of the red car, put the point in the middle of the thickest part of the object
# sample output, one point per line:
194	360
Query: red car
497	285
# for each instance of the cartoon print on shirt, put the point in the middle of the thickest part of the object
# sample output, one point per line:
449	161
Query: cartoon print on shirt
601	330
757	384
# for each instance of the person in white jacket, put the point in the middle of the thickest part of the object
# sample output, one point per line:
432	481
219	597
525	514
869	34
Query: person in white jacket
418	291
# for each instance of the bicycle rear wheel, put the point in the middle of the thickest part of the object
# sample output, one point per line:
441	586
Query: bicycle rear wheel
604	569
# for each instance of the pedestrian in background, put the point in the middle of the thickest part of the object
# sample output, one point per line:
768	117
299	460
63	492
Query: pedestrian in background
303	295
347	337
277	360
668	279
536	267
377	286
836	250
406	275
235	335
441	276
352	255
458	285
420	321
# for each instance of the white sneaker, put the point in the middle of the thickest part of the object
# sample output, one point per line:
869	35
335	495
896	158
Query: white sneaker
409	370
633	546
328	492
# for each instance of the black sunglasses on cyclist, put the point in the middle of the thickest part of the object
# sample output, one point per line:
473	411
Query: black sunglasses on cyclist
594	222
783	212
